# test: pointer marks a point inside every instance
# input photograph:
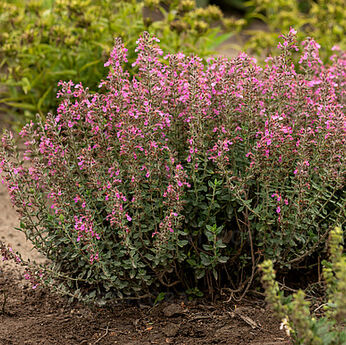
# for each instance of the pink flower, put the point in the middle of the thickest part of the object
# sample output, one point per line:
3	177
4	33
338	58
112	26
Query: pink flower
292	31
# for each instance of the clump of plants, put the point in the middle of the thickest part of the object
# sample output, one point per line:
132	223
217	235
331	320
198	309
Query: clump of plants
183	175
299	323
44	41
324	20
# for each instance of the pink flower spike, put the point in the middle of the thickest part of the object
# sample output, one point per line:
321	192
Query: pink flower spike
278	209
292	31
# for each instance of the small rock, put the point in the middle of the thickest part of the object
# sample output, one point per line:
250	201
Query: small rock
171	330
173	309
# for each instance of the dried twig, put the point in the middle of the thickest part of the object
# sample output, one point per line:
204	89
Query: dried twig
245	318
321	306
200	317
248	320
104	335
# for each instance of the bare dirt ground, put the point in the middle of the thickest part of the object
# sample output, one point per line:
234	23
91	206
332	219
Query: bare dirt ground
37	317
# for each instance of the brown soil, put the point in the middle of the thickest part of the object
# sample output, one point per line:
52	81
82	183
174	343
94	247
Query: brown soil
37	317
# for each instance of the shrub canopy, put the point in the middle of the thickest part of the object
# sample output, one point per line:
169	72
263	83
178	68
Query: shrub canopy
184	173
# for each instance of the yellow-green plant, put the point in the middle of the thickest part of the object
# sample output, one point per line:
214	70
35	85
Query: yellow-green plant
334	273
323	20
45	41
299	323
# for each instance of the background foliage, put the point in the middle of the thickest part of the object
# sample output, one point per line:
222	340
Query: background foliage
44	41
323	20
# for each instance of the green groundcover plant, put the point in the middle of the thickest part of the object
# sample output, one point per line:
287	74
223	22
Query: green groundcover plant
185	174
44	41
303	327
324	20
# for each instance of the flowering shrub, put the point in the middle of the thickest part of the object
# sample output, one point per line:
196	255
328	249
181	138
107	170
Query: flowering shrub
185	173
303	327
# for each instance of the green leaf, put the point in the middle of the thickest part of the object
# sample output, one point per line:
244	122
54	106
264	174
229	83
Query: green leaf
182	243
211	228
200	274
223	259
41	100
89	64
215	274
205	259
207	247
27	106
160	297
26	86
64	73
218	40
